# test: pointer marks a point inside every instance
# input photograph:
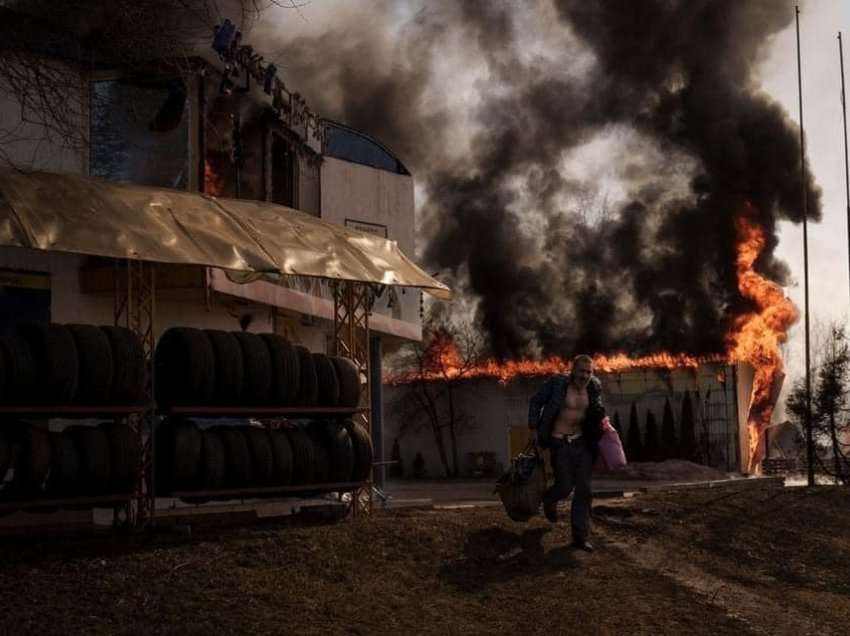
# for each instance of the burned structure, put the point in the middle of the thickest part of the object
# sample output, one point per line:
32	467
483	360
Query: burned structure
697	413
194	194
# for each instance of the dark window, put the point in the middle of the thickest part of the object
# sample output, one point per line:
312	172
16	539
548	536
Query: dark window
352	145
24	297
283	172
140	132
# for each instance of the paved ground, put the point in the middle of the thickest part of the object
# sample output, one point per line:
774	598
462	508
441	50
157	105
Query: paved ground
405	493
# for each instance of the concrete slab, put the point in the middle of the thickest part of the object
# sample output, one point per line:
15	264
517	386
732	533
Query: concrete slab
460	492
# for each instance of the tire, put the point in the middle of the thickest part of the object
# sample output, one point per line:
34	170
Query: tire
178	456
349	382
308	389
282	455
213	470
92	448
32	467
185	368
64	480
124	457
363	452
5	452
56	360
328	382
94	371
229	367
257	368
128	366
23	370
213	461
321	459
5	372
261	458
285	374
303	457
340	449
237	457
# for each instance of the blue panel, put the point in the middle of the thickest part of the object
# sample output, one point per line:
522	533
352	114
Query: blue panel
350	145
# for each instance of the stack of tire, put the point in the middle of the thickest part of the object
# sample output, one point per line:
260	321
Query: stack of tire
80	461
52	364
195	367
248	456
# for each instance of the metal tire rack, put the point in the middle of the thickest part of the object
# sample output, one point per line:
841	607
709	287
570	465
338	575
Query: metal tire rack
352	489
123	504
135	308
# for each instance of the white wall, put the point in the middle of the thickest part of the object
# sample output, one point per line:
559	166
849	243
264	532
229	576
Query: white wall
362	193
70	305
28	146
491	409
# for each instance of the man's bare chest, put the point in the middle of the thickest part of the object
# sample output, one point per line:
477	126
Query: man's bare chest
575	399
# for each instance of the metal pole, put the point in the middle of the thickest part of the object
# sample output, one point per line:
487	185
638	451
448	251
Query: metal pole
377	403
844	118
810	444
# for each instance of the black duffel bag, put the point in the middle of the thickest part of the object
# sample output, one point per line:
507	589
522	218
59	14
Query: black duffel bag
522	486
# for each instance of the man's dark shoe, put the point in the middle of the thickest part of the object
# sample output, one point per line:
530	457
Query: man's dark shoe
583	545
550	509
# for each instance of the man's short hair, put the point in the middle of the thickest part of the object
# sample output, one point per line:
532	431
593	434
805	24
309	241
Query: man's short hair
582	357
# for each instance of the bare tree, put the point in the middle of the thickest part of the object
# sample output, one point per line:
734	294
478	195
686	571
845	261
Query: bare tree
431	372
49	49
830	422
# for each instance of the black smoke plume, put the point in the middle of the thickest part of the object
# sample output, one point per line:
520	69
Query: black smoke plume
554	269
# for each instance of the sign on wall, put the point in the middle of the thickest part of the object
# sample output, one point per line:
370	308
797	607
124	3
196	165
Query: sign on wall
369	228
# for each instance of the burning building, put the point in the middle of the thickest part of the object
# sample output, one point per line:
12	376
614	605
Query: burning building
705	166
697	412
193	108
734	394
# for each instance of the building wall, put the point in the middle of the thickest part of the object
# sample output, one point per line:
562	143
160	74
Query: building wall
489	411
70	305
27	145
359	193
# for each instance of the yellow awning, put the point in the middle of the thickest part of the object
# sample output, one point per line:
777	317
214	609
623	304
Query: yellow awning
84	215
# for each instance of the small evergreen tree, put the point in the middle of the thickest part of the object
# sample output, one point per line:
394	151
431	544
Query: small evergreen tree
688	446
651	447
669	444
634	447
396	470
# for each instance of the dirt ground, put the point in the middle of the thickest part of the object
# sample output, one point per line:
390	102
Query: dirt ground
719	561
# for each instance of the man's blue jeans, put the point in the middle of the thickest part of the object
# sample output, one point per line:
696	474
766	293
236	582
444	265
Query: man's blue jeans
572	463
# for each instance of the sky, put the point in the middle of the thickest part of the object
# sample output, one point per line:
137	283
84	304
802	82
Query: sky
829	282
820	21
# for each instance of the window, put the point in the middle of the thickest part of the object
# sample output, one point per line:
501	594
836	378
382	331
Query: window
140	131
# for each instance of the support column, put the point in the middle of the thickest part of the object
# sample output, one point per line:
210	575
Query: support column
377	398
135	308
352	305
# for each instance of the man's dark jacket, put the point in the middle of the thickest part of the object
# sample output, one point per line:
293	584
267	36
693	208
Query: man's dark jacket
545	405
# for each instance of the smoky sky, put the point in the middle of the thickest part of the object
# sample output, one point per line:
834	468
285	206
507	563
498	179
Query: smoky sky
552	267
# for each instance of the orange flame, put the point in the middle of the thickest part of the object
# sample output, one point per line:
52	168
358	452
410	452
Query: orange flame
443	361
213	183
754	338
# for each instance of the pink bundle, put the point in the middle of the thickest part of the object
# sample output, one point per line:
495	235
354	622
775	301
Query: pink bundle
611	454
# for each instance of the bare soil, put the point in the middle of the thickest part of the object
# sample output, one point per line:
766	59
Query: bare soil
719	561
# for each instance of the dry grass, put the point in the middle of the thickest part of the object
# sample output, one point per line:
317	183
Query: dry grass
658	562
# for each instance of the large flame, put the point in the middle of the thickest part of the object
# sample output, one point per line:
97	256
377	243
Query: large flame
753	338
443	361
756	336
213	183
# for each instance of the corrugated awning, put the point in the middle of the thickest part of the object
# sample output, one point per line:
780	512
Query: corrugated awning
84	215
